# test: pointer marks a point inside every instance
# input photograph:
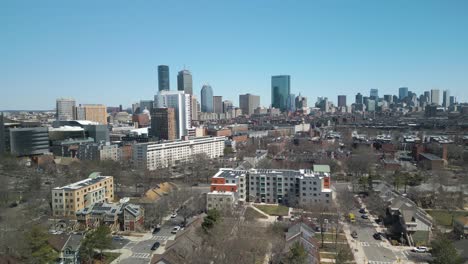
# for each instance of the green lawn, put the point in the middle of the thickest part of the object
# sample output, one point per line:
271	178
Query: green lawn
327	255
276	210
251	214
331	237
443	217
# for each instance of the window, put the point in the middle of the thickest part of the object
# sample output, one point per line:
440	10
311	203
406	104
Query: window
303	194
315	189
303	188
327	195
315	183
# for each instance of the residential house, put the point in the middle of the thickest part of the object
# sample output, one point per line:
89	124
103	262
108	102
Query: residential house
303	234
67	247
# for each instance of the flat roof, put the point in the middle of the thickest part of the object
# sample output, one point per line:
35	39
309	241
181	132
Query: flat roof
93	178
430	156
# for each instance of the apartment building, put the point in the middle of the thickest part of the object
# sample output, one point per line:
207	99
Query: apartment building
153	155
290	187
99	151
67	200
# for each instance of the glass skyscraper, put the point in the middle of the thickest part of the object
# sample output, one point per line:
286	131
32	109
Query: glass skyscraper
280	91
402	93
207	99
184	82
163	78
374	94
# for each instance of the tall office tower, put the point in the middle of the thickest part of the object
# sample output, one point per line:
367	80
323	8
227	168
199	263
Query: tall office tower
2	135
280	90
435	96
218	104
388	98
359	98
207	99
248	103
341	100
374	94
301	101
453	100
227	105
194	107
370	105
163	123
92	112
402	93
291	103
182	108
163	78
445	98
66	109
427	95
184	82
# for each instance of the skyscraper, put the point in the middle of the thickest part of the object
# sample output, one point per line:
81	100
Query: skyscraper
218	104
248	103
341	100
92	112
453	100
280	91
446	98
207	99
402	93
427	96
374	94
291	103
163	123
359	98
184	81
227	105
388	98
301	101
163	78
66	109
194	107
181	103
435	96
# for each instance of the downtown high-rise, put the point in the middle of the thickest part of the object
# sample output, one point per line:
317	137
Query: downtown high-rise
163	78
184	82
248	103
66	109
280	91
181	103
206	99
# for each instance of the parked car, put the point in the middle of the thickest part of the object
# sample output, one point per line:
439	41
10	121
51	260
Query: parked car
118	238
377	236
174	215
364	216
155	245
362	210
420	249
175	229
156	229
354	234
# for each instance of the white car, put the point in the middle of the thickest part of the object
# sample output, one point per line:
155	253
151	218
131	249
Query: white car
175	229
174	215
420	249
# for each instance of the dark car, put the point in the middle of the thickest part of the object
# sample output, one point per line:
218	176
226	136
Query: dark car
156	229
155	245
354	234
377	236
364	216
362	210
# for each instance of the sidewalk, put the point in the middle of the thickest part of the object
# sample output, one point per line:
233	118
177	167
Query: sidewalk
356	248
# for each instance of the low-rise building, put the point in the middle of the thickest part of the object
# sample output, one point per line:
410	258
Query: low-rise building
221	200
430	161
68	199
460	226
67	247
154	155
304	235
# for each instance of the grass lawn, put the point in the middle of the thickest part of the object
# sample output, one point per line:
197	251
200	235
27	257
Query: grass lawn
443	217
331	237
250	214
327	255
276	210
107	258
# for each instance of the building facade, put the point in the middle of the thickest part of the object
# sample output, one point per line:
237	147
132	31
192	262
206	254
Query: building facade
163	123
163	78
341	100
160	155
280	91
207	99
67	200
65	108
248	103
182	105
92	112
29	141
435	96
184	82
218	104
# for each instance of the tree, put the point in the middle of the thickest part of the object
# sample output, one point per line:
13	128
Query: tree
98	239
41	251
343	255
444	252
209	220
297	254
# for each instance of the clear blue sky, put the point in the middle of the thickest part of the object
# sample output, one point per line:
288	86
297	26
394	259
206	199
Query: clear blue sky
108	51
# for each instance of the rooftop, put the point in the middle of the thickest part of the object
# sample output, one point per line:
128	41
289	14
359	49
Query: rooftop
430	156
93	178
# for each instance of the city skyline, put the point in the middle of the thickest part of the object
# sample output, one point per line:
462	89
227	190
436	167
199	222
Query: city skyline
111	56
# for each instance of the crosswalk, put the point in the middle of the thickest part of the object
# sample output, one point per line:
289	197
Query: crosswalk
379	262
364	244
161	238
367	244
141	255
130	245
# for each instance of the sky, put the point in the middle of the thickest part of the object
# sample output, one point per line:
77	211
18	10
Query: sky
108	51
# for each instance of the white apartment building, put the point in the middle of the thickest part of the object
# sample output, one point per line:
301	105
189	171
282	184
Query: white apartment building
221	201
154	155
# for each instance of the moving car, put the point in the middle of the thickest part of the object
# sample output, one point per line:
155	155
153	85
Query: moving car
377	236
362	210
420	249
364	216
174	215
156	229
175	229
354	234
155	245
